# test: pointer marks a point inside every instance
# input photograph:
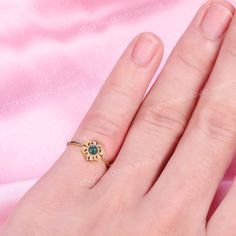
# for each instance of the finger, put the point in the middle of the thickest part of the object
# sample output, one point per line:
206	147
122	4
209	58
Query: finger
165	111
222	221
208	144
112	111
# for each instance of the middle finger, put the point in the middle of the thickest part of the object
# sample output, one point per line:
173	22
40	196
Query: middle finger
165	112
208	144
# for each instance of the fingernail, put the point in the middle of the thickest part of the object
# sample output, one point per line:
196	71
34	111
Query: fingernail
145	49
216	20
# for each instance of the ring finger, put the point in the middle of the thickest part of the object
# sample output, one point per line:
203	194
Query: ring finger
109	117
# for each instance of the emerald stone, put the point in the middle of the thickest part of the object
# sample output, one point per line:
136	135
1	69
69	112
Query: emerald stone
93	149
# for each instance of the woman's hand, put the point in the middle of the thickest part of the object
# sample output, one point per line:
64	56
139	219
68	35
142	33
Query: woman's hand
179	122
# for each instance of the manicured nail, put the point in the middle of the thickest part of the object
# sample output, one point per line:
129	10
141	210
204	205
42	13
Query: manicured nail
216	20
145	49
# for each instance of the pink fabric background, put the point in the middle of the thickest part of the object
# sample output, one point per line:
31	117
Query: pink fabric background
55	54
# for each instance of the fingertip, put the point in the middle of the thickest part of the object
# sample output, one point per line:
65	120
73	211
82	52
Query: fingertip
146	47
151	36
223	3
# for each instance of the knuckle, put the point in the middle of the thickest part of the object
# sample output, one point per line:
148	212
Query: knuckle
191	61
103	126
126	91
166	118
217	121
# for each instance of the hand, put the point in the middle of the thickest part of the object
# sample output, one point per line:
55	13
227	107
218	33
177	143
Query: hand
194	130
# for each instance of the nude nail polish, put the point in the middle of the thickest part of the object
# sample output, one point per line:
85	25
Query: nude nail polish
145	49
216	20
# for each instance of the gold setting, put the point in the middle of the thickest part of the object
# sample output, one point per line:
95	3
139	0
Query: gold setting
92	150
92	157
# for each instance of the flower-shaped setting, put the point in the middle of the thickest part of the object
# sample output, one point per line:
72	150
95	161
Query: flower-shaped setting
92	151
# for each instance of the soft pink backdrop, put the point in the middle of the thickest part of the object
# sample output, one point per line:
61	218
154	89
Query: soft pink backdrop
55	54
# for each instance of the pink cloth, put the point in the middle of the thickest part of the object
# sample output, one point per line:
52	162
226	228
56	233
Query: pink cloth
55	54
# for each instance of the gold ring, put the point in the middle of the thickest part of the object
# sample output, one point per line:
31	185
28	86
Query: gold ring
92	150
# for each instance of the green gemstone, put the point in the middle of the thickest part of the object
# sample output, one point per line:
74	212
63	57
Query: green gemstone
93	149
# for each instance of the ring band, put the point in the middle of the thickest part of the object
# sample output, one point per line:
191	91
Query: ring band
92	150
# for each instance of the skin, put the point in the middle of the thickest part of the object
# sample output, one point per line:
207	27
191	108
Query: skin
169	151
